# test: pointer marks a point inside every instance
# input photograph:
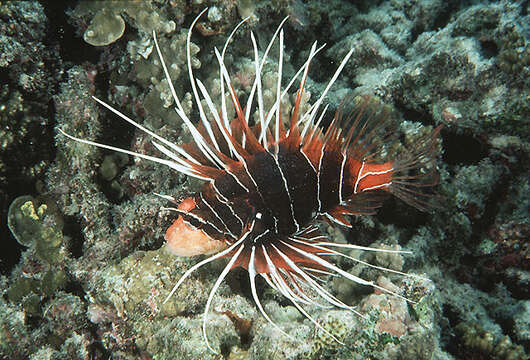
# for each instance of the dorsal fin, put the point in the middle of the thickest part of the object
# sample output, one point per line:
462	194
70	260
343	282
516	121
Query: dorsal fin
370	125
252	143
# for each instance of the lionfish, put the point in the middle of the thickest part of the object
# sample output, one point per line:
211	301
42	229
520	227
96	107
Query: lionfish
268	185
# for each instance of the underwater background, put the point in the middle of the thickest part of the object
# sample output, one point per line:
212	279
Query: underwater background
83	268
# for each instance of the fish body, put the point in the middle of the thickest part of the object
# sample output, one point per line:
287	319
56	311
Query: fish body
288	186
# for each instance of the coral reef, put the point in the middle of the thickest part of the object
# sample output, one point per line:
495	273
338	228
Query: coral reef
40	318
30	68
93	273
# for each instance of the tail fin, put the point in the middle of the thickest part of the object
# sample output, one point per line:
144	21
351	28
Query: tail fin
415	174
372	162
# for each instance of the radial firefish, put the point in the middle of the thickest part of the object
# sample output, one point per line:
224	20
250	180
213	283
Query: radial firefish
268	185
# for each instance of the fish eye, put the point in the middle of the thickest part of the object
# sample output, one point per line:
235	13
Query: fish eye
259	215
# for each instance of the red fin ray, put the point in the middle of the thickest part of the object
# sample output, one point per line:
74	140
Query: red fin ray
252	143
296	111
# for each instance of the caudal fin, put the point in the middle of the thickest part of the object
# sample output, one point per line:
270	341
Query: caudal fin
415	173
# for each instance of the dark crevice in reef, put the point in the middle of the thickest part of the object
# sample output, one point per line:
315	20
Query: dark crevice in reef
156	244
449	340
102	84
360	234
75	288
524	7
114	132
416	31
488	49
72	229
365	6
49	129
33	322
400	214
413	115
474	269
462	149
96	348
507	325
10	253
490	269
444	16
62	34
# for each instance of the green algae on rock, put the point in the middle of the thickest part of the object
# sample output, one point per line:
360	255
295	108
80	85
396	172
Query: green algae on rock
18	223
38	228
